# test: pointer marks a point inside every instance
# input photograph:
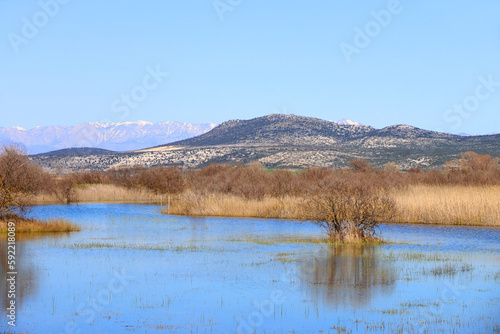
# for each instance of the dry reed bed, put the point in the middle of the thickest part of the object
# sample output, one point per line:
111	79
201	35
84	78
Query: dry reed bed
427	204
24	225
106	193
450	205
419	204
223	205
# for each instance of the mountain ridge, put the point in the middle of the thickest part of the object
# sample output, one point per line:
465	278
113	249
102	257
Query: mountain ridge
121	136
294	130
290	141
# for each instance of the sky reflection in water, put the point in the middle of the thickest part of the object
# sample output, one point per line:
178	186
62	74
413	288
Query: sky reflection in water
132	269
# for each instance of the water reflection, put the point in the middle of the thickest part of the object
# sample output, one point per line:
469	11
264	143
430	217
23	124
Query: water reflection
25	280
347	275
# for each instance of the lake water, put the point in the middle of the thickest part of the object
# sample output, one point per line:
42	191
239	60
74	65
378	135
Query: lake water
134	270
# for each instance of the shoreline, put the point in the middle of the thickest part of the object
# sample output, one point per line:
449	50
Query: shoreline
419	204
36	226
257	217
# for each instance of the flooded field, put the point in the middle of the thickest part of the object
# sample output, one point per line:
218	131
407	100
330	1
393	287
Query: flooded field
134	270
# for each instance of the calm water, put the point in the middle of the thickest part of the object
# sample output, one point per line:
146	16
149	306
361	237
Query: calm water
133	270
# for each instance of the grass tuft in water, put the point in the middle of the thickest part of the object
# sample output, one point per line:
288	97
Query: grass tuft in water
26	225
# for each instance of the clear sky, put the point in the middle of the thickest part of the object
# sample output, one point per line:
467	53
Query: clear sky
65	62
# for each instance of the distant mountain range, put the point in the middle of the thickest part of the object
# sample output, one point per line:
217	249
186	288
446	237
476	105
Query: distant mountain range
123	136
289	141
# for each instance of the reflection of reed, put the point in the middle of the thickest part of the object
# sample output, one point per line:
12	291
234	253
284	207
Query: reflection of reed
347	275
25	278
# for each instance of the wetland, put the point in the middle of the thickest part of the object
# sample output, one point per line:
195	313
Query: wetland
132	269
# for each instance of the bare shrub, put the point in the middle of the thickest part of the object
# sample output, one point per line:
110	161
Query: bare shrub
161	180
64	189
348	211
20	179
360	165
391	167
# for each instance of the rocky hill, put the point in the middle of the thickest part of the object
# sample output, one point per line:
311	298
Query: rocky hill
279	130
290	141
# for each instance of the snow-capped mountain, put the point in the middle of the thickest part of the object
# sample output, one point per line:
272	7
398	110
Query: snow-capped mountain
345	121
123	136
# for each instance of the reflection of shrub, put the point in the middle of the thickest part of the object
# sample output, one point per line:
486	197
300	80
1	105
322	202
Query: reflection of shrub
349	211
347	275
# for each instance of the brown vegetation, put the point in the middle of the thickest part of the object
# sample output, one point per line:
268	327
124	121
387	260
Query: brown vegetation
349	211
226	205
348	203
103	193
448	204
24	225
417	204
19	180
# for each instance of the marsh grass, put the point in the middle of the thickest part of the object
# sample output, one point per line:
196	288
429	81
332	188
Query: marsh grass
444	270
416	204
448	205
291	240
224	205
173	248
105	193
449	269
25	225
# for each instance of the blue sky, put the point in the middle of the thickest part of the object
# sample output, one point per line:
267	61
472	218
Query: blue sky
375	62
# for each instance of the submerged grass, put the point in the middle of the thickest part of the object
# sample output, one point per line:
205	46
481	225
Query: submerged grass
25	225
451	270
292	240
174	248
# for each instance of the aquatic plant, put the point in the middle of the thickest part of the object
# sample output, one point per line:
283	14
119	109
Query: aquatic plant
26	225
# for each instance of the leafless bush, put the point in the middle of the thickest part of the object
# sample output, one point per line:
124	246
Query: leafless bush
161	180
64	189
348	211
360	165
19	180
